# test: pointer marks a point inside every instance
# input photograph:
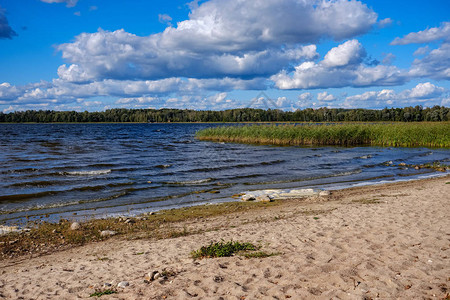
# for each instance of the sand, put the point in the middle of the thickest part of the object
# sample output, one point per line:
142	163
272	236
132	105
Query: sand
383	242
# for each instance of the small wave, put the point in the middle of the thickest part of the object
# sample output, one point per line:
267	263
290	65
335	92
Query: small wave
18	171
87	173
41	183
102	165
63	204
163	166
182	142
190	182
426	154
230	167
345	173
21	197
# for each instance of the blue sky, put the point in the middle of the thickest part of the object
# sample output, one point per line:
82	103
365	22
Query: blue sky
219	54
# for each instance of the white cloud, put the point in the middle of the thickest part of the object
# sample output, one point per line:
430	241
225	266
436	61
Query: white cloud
9	109
425	36
165	19
388	58
7	91
421	51
342	66
218	98
69	3
385	22
445	102
350	52
137	100
283	102
422	93
305	96
325	97
222	38
73	73
120	55
62	91
435	65
426	90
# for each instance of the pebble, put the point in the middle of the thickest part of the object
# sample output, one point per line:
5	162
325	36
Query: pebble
248	197
324	193
123	284
129	221
263	198
107	233
150	276
75	226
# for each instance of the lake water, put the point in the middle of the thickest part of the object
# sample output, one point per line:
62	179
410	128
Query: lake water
53	171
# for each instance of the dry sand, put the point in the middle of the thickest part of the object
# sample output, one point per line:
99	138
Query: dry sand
381	242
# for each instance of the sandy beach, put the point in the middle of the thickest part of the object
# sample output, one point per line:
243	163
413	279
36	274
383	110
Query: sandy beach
387	241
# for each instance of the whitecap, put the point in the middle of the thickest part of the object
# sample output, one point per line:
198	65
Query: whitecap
88	173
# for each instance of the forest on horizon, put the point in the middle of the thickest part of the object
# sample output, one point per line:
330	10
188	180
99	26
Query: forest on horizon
165	115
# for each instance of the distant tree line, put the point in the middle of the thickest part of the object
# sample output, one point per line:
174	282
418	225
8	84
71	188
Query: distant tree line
407	114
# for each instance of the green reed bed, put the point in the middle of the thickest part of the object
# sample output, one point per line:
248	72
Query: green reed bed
374	134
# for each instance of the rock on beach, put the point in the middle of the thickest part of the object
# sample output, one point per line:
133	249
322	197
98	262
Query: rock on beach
270	195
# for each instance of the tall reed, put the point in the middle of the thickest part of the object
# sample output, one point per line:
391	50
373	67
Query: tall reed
375	134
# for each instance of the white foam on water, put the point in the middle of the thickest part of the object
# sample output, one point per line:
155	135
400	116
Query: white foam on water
88	173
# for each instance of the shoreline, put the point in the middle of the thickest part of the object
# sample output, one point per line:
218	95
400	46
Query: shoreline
16	225
375	241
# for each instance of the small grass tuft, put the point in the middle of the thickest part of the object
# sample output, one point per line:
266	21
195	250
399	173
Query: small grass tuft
102	293
260	254
222	249
367	201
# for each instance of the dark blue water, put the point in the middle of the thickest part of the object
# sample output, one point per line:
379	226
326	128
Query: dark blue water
58	170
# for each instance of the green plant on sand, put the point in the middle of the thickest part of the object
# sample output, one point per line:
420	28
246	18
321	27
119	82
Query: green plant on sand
102	293
222	249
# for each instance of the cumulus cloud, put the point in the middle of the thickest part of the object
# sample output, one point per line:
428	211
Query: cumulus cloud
435	65
69	3
425	90
221	38
342	66
305	97
73	73
388	58
325	97
421	51
61	91
120	55
137	100
7	91
6	32
304	100
348	53
422	93
425	36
